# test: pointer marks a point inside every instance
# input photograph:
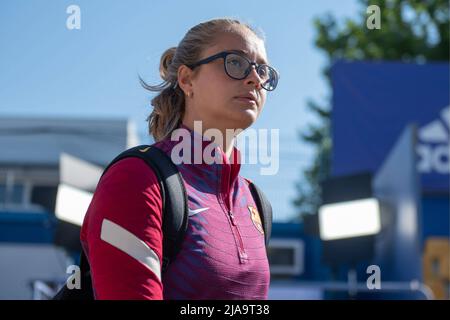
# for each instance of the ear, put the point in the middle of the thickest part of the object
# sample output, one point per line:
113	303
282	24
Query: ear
185	75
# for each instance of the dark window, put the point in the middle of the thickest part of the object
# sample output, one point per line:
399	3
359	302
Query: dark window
44	196
281	256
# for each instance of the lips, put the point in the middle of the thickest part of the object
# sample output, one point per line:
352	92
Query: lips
248	96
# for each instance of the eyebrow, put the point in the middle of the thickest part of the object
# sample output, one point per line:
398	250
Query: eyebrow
260	60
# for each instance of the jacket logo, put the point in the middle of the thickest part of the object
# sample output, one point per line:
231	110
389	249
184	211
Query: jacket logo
144	150
194	212
254	214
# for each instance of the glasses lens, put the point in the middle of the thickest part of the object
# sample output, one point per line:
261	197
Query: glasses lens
236	66
269	77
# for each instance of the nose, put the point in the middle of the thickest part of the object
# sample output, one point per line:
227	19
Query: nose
253	78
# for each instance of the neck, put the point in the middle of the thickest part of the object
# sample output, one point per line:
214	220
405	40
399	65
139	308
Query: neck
227	143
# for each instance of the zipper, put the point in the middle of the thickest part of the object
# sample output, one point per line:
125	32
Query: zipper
243	257
242	254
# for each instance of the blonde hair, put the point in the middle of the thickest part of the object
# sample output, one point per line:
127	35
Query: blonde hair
169	103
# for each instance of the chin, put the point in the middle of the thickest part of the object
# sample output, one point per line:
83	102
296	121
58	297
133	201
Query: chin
245	118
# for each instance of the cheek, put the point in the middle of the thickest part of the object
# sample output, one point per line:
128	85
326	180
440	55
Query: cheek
215	92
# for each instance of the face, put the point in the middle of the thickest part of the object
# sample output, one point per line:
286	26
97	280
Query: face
217	98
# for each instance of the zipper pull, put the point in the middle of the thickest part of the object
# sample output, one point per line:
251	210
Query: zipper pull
243	256
232	218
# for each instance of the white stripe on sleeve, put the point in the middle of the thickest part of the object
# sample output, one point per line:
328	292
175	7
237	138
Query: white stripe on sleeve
124	240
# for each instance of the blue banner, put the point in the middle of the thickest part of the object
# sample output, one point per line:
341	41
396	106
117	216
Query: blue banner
373	102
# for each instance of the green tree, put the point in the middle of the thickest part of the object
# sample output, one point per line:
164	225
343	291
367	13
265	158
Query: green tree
411	31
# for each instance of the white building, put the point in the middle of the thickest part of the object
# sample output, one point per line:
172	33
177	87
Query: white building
36	155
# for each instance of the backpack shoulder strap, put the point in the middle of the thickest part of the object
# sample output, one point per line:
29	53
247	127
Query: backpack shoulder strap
175	205
175	208
264	209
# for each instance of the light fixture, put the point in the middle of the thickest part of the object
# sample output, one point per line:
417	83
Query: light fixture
349	219
72	204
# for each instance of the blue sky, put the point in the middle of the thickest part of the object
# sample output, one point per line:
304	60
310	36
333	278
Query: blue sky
48	70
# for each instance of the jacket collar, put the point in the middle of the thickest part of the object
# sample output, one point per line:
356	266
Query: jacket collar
227	170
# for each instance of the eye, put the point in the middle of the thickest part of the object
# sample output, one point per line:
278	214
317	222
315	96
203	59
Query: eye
263	72
235	62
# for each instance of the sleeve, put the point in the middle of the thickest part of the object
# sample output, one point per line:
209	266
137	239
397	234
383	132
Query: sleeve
122	233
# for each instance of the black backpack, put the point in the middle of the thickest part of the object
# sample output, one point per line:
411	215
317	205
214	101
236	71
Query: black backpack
175	214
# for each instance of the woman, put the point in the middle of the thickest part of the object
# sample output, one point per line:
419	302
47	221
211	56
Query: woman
218	75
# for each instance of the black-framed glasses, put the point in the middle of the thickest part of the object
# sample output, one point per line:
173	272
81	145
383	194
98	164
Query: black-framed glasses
238	67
